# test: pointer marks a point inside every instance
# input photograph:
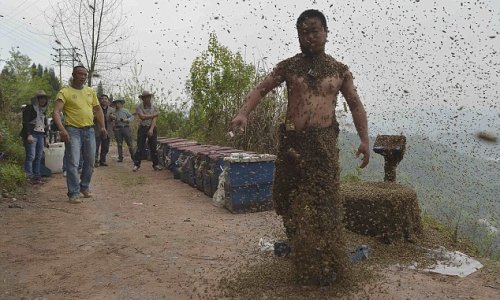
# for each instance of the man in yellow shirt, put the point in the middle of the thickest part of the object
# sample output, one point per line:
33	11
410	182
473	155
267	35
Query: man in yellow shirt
79	104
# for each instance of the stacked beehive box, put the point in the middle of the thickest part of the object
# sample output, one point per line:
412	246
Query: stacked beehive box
246	185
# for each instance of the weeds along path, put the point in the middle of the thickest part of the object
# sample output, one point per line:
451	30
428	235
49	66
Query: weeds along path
148	236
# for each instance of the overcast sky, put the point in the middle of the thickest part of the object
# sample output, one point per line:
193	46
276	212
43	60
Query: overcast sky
406	55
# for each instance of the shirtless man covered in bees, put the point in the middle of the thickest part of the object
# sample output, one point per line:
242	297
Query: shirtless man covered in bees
306	184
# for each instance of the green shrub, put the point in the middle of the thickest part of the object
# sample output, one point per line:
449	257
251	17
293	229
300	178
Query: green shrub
11	145
11	176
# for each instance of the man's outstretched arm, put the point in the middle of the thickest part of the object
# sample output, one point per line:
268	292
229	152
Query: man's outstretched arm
358	115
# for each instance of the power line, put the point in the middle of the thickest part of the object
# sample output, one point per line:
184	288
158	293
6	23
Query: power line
18	36
12	22
27	44
21	34
21	4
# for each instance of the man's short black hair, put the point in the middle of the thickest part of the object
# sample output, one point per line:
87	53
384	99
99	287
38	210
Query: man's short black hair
79	67
103	95
311	13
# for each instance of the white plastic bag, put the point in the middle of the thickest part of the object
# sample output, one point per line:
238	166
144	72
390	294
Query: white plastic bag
219	198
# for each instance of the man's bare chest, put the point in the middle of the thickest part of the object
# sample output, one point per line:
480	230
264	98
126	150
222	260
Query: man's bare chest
327	86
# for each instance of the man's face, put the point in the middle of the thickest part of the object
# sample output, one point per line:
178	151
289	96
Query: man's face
80	76
312	36
146	99
42	101
104	101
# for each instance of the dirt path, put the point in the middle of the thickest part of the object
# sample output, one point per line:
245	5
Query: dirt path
148	236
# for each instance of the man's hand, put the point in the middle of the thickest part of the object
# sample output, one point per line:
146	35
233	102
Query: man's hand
364	148
104	133
239	122
46	142
64	135
29	139
150	132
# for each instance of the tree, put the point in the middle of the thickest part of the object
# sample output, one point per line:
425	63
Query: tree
93	33
18	84
100	89
53	80
218	81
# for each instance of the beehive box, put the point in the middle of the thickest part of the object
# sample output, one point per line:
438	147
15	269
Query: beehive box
179	155
249	198
202	165
187	169
167	144
248	182
174	152
214	169
163	147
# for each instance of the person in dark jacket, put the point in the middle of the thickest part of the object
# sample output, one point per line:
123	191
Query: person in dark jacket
102	143
33	134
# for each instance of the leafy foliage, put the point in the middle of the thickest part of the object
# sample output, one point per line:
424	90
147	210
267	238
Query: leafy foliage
11	172
19	80
218	81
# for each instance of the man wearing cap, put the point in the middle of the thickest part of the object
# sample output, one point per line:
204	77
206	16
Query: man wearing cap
79	104
122	118
102	143
33	134
147	113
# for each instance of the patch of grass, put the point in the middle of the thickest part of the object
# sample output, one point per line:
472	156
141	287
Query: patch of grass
130	180
12	176
11	145
354	176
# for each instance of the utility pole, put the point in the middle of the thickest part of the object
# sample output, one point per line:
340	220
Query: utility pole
70	56
60	65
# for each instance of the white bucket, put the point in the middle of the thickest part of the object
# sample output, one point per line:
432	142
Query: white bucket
54	156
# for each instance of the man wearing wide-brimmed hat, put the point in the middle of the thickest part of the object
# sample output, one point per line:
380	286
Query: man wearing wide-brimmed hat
147	113
122	118
34	133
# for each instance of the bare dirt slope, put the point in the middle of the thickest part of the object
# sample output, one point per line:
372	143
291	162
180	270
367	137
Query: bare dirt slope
148	236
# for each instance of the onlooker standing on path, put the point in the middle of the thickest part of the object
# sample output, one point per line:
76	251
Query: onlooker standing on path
147	113
33	134
102	143
79	104
122	118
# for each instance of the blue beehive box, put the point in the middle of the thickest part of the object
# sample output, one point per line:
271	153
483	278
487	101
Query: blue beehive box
249	198
211	177
167	148
179	155
202	165
175	151
248	182
163	143
166	142
188	172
